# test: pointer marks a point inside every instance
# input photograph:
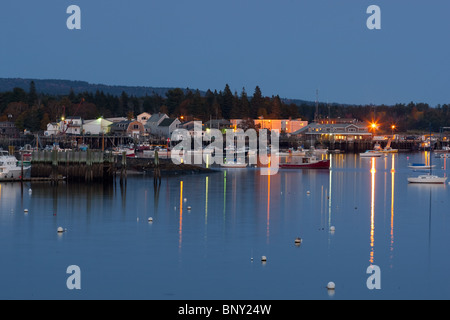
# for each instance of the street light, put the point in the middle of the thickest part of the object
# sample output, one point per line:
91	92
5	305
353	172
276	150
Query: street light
393	127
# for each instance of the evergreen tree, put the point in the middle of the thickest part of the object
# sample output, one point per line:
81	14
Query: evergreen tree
227	102
244	105
276	108
256	103
174	99
32	95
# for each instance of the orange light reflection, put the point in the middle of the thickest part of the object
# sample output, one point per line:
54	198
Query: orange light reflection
372	212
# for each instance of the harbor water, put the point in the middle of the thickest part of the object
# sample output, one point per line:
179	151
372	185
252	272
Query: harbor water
208	232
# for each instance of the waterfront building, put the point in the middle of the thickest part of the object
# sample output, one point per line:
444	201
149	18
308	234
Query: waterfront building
53	129
151	126
133	129
282	126
335	130
166	127
71	125
97	127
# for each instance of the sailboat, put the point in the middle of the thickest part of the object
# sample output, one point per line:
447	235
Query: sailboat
428	178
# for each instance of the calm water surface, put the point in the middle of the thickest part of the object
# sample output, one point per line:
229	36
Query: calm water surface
236	215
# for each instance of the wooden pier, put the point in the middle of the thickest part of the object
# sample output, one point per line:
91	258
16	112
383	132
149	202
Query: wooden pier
82	166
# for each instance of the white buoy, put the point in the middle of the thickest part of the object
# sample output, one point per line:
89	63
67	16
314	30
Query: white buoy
308	192
60	230
185	200
298	241
331	286
26	210
332	229
189	208
263	258
30	191
150	219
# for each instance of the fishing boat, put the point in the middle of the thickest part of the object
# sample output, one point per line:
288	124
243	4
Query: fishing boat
130	152
9	168
371	154
306	162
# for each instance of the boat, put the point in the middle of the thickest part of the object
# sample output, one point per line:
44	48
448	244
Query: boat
371	154
130	152
428	179
388	148
306	162
234	165
420	166
9	168
444	150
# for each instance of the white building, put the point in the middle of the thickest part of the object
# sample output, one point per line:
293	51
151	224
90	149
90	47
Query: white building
53	129
97	127
72	125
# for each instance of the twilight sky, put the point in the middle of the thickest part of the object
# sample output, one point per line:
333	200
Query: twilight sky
287	47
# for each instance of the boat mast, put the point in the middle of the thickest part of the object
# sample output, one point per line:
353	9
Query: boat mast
429	155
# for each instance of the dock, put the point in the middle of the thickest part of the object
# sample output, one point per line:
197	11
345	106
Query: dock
32	179
82	166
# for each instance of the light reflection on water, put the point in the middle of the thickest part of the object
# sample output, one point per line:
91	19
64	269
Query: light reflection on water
236	215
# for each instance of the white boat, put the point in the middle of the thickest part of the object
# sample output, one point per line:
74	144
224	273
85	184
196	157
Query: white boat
428	179
371	154
9	168
234	165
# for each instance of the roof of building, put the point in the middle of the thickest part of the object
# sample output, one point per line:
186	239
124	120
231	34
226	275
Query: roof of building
157	117
167	122
314	126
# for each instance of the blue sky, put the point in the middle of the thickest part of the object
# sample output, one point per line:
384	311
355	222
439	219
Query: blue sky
287	47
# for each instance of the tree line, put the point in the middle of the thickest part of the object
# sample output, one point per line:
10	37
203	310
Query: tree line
33	111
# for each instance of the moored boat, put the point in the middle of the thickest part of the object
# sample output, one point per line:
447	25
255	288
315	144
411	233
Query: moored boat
420	166
234	165
371	154
306	162
9	168
428	179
